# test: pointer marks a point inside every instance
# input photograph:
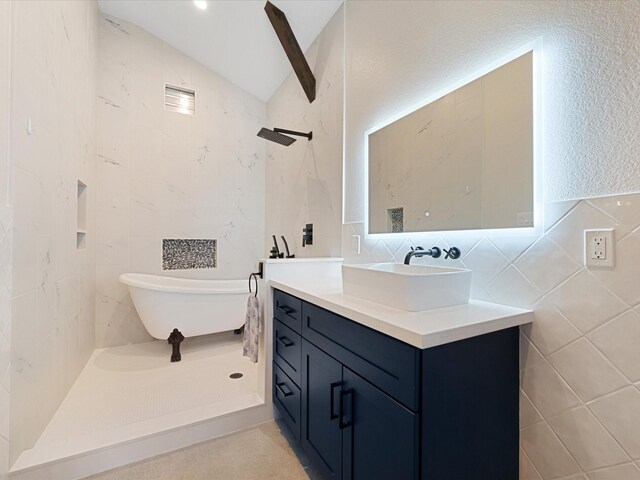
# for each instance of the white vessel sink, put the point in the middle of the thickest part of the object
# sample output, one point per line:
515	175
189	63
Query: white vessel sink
407	287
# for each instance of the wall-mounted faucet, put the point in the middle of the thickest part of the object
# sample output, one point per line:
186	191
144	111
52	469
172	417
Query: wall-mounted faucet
433	252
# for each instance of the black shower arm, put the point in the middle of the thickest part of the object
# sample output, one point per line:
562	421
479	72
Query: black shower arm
293	132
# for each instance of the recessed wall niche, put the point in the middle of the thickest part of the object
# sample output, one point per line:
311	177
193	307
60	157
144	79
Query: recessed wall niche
81	224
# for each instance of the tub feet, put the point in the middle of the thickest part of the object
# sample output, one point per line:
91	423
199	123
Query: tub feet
175	339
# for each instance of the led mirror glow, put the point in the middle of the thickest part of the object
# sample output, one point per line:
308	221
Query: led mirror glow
412	171
201	4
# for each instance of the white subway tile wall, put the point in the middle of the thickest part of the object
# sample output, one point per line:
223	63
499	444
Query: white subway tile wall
580	359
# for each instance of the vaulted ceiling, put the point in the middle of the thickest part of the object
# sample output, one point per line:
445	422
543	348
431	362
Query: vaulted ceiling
233	38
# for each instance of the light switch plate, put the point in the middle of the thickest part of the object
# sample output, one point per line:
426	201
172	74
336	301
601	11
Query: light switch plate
599	248
356	244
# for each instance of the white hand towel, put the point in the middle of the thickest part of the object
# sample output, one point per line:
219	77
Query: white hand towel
252	329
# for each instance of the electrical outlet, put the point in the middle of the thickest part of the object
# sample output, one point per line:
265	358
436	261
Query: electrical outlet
599	248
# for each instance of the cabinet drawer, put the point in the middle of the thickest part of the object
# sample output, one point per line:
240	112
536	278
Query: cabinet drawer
391	365
287	350
287	309
286	396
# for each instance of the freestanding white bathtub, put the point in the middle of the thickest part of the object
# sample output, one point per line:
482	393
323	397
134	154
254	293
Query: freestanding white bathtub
194	307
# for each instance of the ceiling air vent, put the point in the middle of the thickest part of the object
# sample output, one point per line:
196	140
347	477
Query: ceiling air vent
179	99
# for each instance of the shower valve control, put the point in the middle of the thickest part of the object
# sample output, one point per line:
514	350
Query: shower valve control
307	237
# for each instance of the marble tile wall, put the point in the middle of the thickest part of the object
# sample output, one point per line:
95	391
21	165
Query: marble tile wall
168	175
54	45
580	361
304	180
6	234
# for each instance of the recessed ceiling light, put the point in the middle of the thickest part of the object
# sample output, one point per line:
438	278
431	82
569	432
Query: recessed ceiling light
201	4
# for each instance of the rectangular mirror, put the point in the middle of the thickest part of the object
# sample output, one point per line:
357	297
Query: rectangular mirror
464	161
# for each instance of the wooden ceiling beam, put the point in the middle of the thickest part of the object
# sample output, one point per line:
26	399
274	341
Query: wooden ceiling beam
291	47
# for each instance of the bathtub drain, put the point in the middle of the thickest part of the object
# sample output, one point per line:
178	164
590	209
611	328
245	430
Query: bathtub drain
235	375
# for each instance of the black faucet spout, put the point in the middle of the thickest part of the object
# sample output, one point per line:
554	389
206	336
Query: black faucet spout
433	252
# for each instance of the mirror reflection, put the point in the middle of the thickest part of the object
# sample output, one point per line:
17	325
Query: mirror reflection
462	162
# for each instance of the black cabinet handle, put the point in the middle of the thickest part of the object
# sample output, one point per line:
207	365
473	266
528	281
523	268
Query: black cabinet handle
281	386
332	394
285	341
286	309
344	393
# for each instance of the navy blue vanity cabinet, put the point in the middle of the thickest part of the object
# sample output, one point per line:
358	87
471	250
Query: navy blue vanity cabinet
287	309
470	408
287	356
372	407
286	396
321	395
381	437
287	350
351	429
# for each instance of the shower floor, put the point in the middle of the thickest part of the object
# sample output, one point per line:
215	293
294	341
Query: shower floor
133	391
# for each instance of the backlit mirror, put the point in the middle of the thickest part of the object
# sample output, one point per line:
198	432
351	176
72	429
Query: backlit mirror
464	161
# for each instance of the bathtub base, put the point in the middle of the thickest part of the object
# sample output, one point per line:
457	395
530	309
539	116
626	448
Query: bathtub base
175	339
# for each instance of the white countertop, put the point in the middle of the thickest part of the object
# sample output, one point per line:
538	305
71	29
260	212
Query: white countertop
420	329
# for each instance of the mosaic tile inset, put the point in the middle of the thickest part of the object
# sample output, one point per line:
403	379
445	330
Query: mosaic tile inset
188	254
397	219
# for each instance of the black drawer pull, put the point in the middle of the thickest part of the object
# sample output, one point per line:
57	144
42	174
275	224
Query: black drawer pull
286	309
344	393
285	393
332	387
285	341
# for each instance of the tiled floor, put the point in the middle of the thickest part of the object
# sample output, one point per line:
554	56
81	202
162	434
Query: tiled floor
261	453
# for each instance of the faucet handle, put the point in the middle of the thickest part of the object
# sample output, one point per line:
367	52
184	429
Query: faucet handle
453	253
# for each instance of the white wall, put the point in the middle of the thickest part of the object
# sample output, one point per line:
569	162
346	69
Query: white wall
400	52
304	180
163	174
54	45
6	233
580	367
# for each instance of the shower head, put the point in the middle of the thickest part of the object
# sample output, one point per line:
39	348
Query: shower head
276	135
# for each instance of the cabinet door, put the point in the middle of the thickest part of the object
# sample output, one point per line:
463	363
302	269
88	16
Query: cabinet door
321	434
380	436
